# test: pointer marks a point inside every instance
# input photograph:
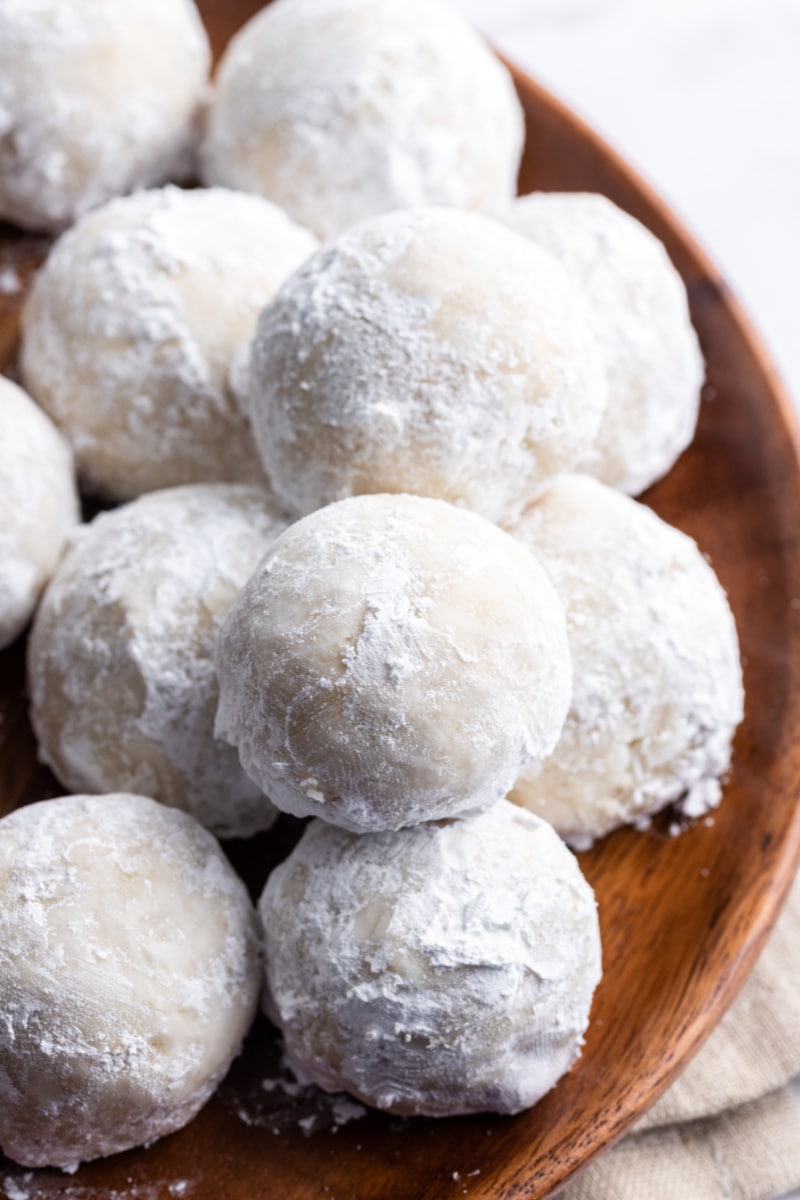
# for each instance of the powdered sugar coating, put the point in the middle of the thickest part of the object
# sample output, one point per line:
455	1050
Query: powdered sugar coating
39	505
393	660
637	310
96	97
129	975
657	682
432	352
443	969
133	328
341	109
120	661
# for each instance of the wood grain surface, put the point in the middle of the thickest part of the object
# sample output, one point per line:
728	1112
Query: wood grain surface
682	918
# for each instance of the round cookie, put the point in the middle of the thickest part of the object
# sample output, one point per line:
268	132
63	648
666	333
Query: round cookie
393	660
433	352
120	660
341	109
129	975
39	505
657	682
134	327
637	309
96	97
439	970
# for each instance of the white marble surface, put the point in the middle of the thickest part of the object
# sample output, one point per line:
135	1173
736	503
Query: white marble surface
703	97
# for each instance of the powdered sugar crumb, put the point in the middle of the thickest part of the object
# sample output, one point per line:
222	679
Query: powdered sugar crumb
279	1103
31	1186
10	282
13	1190
288	1086
345	1110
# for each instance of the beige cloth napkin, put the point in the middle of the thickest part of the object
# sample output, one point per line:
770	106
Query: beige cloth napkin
729	1127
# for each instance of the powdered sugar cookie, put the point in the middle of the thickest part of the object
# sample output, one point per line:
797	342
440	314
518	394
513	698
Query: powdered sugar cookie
657	683
340	109
393	660
438	970
133	327
637	310
130	975
120	660
96	97
39	505
432	352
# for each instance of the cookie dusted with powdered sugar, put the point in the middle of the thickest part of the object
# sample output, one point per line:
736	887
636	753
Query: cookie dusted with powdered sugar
340	109
392	660
120	660
433	352
637	309
129	975
438	970
96	97
134	328
657	683
39	505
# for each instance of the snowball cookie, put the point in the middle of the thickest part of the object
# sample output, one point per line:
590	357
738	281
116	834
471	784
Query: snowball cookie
340	109
433	352
392	660
120	660
129	975
39	505
638	311
96	97
133	327
657	683
438	970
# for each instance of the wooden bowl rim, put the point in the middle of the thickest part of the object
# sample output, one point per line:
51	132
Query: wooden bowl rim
727	987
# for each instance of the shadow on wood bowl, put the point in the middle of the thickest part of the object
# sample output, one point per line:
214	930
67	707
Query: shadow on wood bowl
682	918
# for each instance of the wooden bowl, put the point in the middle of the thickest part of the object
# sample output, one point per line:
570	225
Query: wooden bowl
682	918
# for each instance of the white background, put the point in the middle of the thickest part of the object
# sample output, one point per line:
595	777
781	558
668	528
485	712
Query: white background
703	97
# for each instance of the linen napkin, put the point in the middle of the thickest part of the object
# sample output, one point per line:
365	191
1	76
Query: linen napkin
729	1127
